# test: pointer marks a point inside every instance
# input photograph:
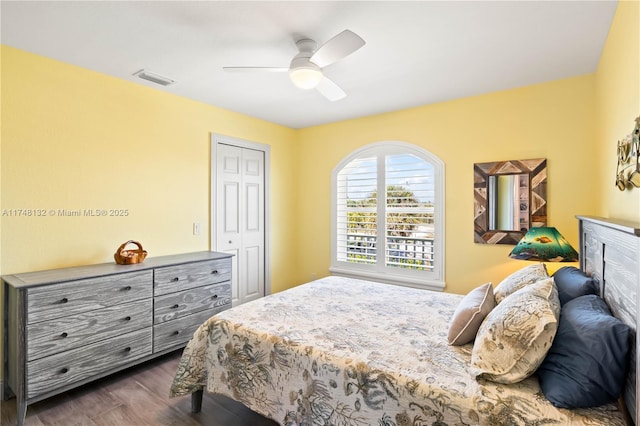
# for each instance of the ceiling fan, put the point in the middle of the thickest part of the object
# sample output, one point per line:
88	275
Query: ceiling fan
306	67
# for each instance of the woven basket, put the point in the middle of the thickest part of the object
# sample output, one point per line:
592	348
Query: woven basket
128	257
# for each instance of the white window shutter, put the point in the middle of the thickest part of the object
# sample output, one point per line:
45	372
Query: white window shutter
388	215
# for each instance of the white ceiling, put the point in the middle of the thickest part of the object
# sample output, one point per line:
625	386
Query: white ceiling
417	52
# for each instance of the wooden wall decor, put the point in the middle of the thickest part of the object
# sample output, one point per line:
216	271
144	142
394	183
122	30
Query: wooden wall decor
536	170
628	169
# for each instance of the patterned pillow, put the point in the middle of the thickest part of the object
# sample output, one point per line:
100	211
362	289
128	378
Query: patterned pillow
516	336
469	315
521	278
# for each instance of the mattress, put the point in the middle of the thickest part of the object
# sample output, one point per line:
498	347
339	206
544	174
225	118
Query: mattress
341	351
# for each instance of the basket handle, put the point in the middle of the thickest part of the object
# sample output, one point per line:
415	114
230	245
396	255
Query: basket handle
131	242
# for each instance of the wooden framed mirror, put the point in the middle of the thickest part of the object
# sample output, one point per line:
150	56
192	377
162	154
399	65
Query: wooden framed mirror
509	198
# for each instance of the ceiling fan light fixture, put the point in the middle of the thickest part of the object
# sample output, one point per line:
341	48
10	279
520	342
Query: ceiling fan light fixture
305	78
305	69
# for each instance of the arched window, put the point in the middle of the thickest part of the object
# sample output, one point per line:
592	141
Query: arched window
388	215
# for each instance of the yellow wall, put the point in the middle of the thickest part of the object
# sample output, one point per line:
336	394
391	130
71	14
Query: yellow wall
618	104
574	123
1	289
76	139
552	120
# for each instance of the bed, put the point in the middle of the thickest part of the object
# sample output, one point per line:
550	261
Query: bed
339	351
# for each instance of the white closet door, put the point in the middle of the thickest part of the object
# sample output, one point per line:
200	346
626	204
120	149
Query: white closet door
240	217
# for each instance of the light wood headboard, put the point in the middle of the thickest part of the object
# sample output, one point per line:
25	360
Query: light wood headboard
610	253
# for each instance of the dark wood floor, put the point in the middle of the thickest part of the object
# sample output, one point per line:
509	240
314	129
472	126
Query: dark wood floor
135	397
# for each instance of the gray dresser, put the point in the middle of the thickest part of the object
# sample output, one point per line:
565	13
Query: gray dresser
66	327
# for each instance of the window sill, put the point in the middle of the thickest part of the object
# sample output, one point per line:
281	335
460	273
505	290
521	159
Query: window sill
389	279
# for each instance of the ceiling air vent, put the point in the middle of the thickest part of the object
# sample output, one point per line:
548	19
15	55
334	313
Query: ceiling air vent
154	78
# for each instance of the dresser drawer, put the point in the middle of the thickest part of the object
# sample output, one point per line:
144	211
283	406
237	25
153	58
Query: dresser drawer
74	297
177	305
68	367
182	277
61	334
179	332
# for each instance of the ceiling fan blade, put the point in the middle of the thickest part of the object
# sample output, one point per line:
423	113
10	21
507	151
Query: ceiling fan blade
330	90
255	69
337	48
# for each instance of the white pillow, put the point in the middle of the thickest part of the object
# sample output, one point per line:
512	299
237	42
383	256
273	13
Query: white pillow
469	314
521	278
515	337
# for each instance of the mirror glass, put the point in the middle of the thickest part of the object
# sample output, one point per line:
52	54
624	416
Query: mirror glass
509	198
509	202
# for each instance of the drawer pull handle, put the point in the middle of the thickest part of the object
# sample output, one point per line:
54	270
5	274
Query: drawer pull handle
64	370
176	279
64	300
127	288
127	318
63	335
127	349
175	333
176	306
215	296
214	272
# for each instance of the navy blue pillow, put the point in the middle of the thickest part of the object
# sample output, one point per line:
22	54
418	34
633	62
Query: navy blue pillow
587	363
572	282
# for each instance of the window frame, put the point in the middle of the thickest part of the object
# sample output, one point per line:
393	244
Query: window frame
432	280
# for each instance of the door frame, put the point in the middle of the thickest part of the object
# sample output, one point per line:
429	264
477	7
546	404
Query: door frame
216	139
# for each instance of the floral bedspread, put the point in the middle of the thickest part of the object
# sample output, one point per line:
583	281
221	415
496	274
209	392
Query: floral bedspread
345	352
